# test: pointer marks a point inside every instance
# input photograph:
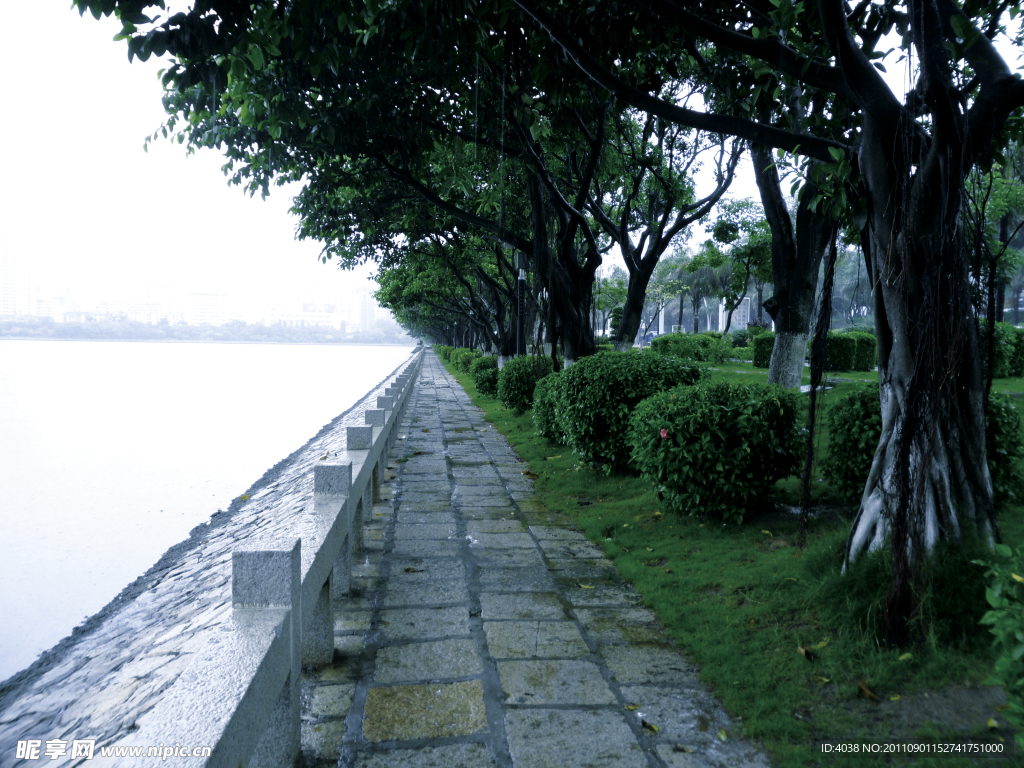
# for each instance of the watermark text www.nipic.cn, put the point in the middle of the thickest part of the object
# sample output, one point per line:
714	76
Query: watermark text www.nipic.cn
37	749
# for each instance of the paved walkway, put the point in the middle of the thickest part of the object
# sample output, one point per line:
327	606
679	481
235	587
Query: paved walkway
476	640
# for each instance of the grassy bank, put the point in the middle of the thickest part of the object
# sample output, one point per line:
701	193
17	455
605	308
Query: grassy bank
782	638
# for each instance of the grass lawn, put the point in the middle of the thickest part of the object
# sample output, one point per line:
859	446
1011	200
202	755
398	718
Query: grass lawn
741	600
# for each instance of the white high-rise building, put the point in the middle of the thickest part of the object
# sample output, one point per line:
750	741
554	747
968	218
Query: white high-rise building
740	316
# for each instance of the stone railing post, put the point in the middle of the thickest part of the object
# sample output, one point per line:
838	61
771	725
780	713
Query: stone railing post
264	576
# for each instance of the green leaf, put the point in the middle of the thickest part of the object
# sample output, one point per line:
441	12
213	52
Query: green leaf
255	55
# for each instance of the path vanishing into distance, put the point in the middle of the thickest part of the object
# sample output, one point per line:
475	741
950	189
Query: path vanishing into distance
480	634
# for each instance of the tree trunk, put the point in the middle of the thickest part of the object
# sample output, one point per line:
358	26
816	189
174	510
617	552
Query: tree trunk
929	477
796	256
633	309
570	285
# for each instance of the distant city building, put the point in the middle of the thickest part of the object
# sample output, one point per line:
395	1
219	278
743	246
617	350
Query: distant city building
740	316
16	294
208	308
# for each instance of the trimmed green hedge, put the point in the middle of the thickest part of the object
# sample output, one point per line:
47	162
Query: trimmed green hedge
463	358
601	391
1005	349
484	371
714	449
518	378
707	347
763	344
866	355
548	400
1017	363
842	351
855	427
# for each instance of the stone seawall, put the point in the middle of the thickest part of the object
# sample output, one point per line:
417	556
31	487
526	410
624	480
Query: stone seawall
116	667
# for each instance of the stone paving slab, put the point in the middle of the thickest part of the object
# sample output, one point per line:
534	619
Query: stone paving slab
481	634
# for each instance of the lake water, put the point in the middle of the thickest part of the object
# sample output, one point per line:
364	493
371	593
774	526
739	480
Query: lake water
111	452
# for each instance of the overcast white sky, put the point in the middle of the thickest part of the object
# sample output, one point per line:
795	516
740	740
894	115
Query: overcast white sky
95	212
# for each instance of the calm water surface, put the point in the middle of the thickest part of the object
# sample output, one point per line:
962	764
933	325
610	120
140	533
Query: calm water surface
111	452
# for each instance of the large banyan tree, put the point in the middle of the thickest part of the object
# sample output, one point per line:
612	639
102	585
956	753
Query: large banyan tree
910	158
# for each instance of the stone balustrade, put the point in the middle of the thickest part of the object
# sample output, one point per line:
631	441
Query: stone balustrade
240	694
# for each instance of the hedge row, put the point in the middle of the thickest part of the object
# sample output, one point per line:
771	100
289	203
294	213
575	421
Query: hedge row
763	344
855	428
599	392
709	347
850	351
1009	350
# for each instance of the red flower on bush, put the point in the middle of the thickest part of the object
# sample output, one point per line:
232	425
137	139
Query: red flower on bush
664	433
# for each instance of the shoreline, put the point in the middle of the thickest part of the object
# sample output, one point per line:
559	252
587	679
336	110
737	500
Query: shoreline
411	343
11	688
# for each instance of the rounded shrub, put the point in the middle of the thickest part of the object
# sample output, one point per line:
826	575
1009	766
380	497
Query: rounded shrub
763	344
484	371
442	351
518	378
715	448
599	393
548	397
739	337
855	427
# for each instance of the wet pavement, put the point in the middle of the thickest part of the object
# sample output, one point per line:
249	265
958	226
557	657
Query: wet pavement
480	634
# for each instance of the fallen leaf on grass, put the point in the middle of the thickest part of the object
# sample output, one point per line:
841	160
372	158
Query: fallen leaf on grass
768	532
992	723
552	458
1015	577
632	707
823	643
426	430
722	736
866	692
821	680
649	549
895	697
906	657
244	497
805	652
585	586
649	726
